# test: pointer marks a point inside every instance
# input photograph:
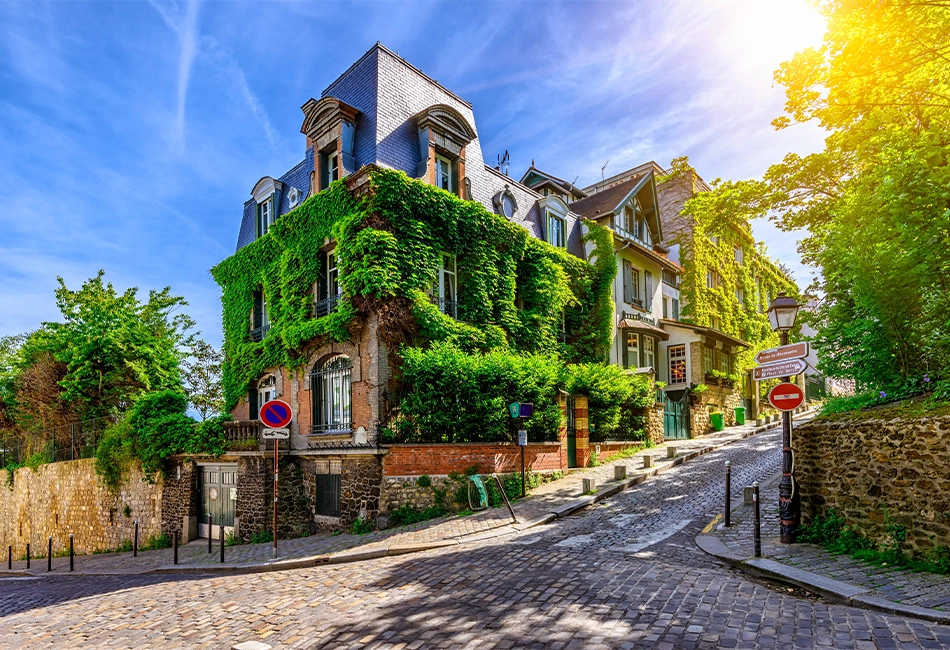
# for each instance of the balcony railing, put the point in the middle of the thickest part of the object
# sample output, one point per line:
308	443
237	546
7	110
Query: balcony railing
334	429
626	234
258	333
325	306
242	434
447	307
649	320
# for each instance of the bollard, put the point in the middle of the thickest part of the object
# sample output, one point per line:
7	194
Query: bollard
756	522
221	542
71	554
210	524
10	557
728	516
175	545
671	452
620	472
27	556
588	485
647	461
135	539
747	495
49	555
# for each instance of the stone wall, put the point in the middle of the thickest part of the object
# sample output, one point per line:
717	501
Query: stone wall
360	488
858	467
253	511
67	497
180	501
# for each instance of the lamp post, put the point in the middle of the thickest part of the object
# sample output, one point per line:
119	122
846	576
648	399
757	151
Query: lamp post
782	313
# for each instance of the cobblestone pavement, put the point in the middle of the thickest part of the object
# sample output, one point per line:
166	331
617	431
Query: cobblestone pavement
622	575
898	585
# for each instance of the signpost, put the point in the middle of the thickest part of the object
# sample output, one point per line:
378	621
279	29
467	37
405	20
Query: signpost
780	369
521	411
786	397
275	415
783	353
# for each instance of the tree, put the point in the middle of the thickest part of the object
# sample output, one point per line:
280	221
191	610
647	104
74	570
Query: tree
202	379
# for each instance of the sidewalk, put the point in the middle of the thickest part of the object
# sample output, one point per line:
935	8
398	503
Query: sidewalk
839	578
543	505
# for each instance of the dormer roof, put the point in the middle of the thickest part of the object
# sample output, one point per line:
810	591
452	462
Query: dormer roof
537	179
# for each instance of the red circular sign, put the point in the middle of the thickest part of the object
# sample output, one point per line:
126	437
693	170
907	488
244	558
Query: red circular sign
276	414
786	397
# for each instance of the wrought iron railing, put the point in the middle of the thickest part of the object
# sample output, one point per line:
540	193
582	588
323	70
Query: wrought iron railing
258	333
635	316
65	442
447	307
325	306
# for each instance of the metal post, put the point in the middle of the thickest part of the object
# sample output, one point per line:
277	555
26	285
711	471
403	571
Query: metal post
504	496
788	502
135	540
728	513
522	472
49	555
221	541
175	546
28	555
72	442
275	498
71	553
756	521
210	529
10	557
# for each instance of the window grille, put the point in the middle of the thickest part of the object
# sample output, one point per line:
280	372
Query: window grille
332	397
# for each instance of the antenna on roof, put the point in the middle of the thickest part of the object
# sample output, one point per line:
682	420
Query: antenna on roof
502	165
575	179
602	173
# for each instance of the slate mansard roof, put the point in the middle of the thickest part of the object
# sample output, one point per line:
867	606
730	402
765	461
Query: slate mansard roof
299	177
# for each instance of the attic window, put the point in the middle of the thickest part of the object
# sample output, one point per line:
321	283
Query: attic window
505	203
294	196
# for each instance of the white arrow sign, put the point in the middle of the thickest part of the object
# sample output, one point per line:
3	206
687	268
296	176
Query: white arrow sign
782	369
275	434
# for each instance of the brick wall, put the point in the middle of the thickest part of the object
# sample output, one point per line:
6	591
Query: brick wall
858	466
418	459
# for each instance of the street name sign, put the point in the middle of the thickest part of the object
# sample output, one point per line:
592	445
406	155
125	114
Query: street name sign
783	353
780	369
275	434
786	397
276	414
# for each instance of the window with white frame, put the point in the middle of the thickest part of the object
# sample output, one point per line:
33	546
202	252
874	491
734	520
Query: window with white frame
709	360
329	289
329	168
738	254
649	352
740	295
555	231
631	350
443	174
260	323
710	279
677	356
266	391
265	217
676	309
444	291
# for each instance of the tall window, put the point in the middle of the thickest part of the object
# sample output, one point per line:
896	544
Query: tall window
329	290
648	291
740	296
676	309
332	396
677	355
709	360
631	350
445	287
443	174
666	307
738	254
260	322
330	168
649	352
556	227
265	217
266	391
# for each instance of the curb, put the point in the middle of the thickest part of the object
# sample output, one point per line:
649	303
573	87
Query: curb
357	555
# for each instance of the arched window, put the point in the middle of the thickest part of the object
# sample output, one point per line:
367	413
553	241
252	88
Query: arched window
264	391
332	396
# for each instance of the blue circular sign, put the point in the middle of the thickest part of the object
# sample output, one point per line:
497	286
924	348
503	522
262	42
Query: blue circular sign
276	414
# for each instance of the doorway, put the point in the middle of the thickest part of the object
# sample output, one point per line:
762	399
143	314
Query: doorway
217	494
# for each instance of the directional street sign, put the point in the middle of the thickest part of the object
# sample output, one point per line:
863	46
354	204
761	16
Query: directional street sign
276	414
786	397
781	369
783	353
275	434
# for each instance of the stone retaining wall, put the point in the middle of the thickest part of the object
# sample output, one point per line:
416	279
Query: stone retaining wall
858	466
67	497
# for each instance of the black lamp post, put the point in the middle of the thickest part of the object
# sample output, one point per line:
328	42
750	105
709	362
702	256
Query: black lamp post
782	314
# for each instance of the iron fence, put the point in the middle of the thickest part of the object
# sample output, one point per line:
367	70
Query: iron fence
65	442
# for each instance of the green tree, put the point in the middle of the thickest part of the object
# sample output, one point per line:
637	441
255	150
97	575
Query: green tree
202	379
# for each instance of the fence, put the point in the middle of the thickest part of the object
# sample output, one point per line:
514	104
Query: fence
65	442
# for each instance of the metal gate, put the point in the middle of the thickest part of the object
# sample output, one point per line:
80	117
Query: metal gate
217	485
675	414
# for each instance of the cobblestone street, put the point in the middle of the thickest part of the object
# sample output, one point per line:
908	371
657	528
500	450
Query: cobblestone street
624	573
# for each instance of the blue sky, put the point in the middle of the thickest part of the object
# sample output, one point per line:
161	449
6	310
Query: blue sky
131	133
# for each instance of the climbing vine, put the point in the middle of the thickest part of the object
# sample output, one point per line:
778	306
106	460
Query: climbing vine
515	292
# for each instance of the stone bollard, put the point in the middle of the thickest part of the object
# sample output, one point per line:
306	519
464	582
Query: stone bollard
747	495
620	472
647	461
671	452
759	422
588	485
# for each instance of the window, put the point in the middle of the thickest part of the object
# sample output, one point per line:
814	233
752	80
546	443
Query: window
332	396
329	168
666	307
648	291
649	352
265	217
676	309
716	323
443	174
326	500
709	360
293	197
631	350
738	254
329	290
670	278
725	361
714	239
631	284
444	289
266	391
710	279
260	322
677	355
740	296
556	227
507	206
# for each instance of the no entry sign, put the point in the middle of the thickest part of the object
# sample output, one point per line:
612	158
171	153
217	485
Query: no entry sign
786	397
276	414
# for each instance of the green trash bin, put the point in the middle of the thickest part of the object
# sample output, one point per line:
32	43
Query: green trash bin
740	415
718	420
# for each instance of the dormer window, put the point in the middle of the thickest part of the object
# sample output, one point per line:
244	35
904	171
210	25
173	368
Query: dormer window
443	135
267	197
265	217
443	174
555	230
329	168
330	127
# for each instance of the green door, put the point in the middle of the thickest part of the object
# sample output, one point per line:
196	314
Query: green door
218	496
675	414
571	435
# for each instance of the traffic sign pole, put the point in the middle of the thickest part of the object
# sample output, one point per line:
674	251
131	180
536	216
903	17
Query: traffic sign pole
276	414
789	504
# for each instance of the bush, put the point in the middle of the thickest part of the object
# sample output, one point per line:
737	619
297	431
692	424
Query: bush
424	481
362	526
616	399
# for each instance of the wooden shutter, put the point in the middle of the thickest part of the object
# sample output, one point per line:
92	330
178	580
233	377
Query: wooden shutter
252	401
648	297
627	284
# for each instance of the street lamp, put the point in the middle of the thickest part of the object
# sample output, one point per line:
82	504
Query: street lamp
782	314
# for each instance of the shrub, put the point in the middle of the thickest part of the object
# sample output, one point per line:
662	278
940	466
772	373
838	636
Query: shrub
616	399
362	526
424	481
